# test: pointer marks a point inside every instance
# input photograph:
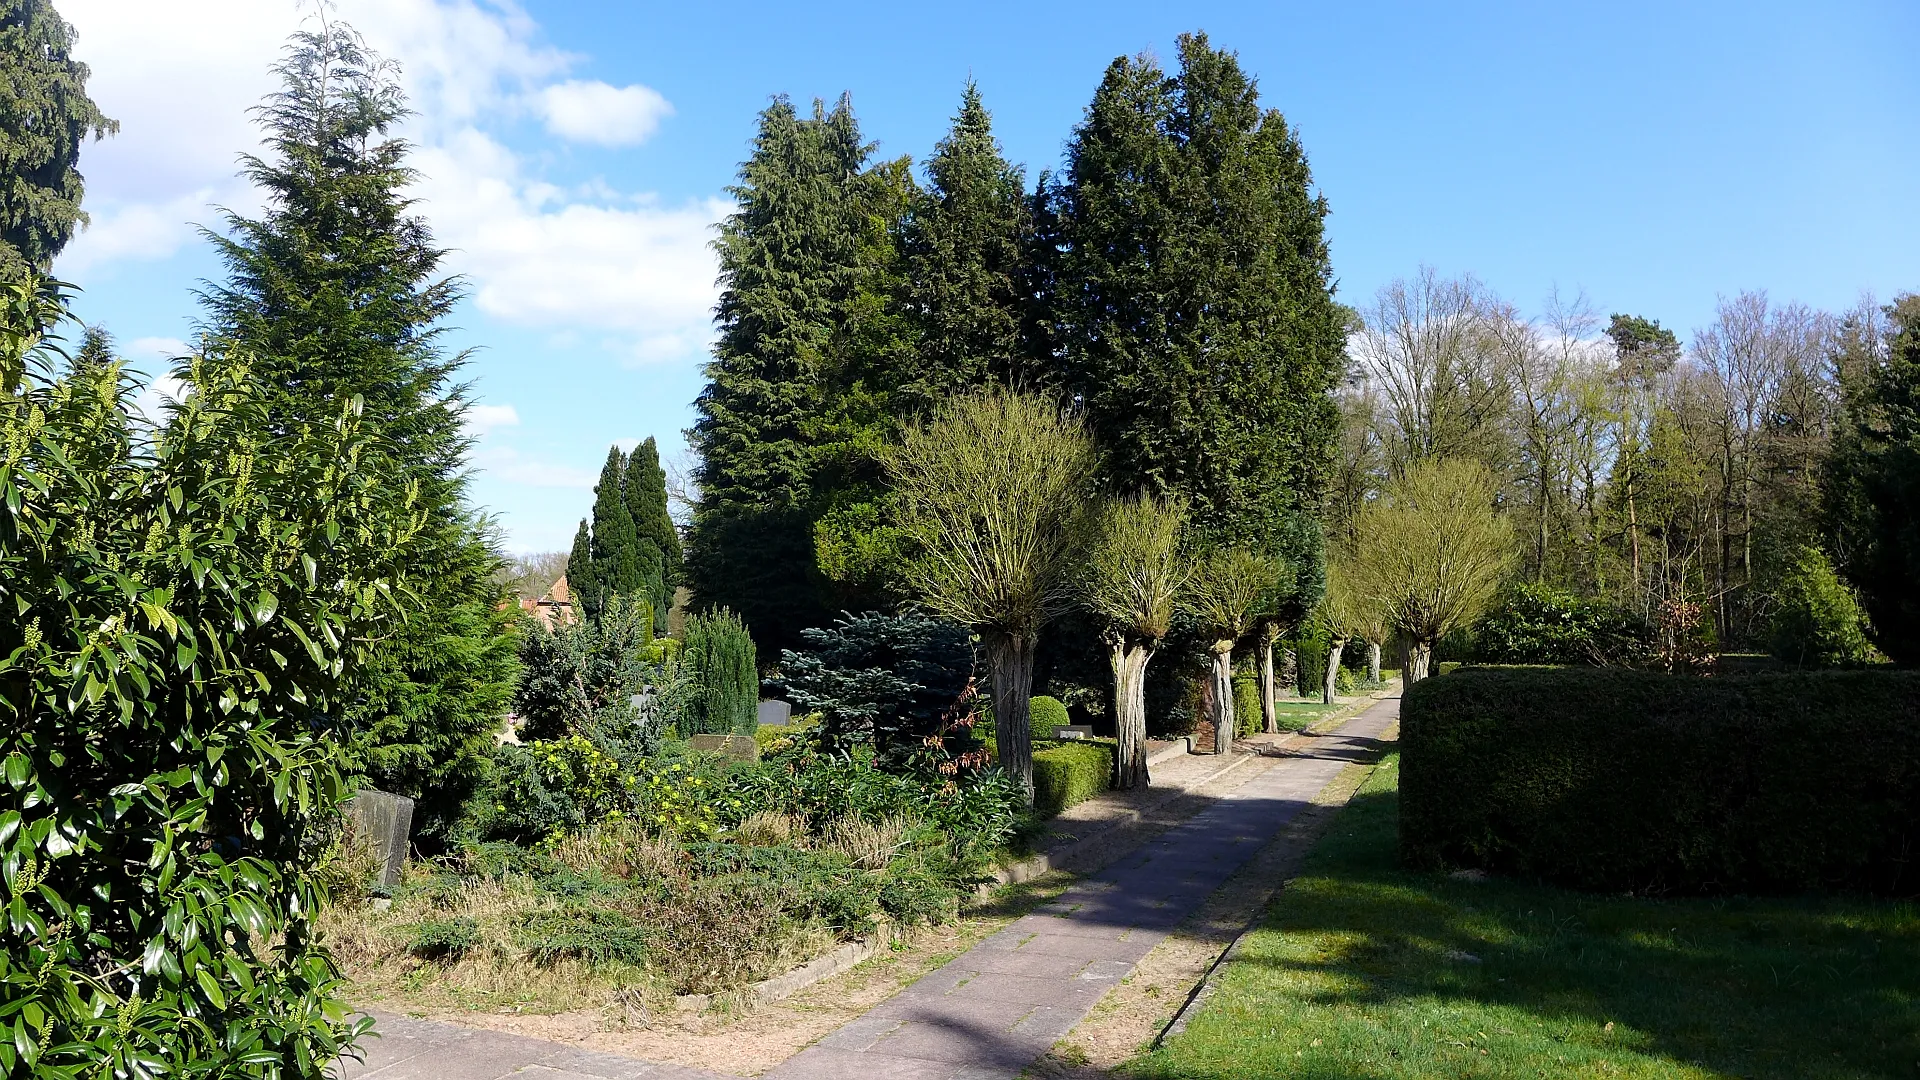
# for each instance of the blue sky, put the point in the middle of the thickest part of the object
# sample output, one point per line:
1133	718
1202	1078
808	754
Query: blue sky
576	153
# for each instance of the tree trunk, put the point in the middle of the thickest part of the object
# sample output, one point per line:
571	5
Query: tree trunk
1289	672
1129	661
1417	659
1269	716
1373	661
1010	656
1334	648
1222	697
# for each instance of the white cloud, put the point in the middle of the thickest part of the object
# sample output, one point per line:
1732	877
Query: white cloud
596	112
559	258
153	398
482	419
155	348
508	464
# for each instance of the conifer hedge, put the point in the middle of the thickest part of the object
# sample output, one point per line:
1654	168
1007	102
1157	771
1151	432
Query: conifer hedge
1655	783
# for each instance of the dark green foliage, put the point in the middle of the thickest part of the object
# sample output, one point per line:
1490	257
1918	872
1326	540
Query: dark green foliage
95	351
1539	624
581	579
446	939
1045	713
967	256
1817	622
789	265
45	115
725	696
333	293
646	490
1612	780
580	678
886	681
1873	488
1069	772
1246	705
1193	298
183	612
616	544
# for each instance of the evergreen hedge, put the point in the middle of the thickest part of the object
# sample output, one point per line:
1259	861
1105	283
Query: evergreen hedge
1070	772
1655	783
726	696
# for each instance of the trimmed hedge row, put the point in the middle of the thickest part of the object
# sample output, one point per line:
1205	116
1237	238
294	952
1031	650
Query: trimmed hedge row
1627	780
1070	772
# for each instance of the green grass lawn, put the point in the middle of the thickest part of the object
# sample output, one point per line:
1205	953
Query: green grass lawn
1365	970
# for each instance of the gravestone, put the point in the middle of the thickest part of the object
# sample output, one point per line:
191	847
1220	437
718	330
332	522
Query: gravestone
1073	731
775	713
382	823
737	747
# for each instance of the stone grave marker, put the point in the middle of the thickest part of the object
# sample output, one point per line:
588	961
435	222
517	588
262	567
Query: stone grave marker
775	713
1073	731
738	747
382	823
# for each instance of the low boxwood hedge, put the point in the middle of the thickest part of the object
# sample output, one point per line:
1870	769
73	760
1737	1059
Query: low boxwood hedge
1070	772
1641	781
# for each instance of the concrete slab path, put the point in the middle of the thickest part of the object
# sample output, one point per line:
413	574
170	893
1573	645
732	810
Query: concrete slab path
997	1008
994	1010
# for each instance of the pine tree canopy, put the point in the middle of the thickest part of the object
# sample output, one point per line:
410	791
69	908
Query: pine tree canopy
967	254
1194	302
45	115
790	262
333	293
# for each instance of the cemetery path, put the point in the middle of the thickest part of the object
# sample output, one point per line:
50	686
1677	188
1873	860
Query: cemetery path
997	1008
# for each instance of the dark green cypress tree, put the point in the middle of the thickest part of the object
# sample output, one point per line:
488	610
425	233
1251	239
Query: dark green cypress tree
967	255
45	115
333	293
790	260
726	677
646	490
617	568
1194	302
581	580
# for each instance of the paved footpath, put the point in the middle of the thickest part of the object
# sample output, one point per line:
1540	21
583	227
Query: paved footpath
997	1008
994	1010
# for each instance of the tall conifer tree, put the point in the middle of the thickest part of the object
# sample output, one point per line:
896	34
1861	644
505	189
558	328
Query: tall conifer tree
1194	302
333	293
967	253
646	491
45	116
617	566
790	259
581	580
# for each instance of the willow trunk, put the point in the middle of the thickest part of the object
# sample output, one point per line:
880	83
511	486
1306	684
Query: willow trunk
1222	697
1010	656
1373	661
1417	661
1129	659
1269	718
1332	681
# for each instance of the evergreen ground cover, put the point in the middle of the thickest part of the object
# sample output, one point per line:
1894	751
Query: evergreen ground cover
1363	969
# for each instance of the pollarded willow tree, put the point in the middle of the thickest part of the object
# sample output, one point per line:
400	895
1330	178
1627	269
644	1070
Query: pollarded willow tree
992	494
1134	573
1224	596
1432	550
1348	616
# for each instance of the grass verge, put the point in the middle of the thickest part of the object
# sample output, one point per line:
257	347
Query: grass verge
1365	970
